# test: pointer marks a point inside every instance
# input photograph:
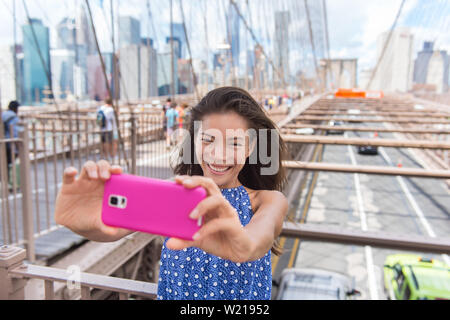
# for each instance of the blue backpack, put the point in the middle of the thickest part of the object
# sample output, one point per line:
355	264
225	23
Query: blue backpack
101	119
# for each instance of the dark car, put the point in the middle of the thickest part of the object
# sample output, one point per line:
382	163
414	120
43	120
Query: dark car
368	150
333	123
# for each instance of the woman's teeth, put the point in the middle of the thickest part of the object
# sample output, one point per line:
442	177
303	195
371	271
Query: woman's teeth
218	169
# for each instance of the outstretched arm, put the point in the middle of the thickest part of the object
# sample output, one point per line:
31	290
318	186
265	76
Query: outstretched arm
267	222
222	233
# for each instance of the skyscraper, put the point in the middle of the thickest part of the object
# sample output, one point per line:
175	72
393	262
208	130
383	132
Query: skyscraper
176	46
7	80
129	63
129	31
164	62
36	49
66	32
316	15
432	67
233	24
395	70
180	37
281	48
62	63
84	33
148	63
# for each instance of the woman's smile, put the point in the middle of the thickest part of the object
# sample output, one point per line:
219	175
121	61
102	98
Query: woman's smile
218	169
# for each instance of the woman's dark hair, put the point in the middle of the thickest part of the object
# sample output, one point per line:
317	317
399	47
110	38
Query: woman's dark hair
232	99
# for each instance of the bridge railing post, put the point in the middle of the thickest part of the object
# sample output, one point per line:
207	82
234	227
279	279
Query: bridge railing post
11	288
25	181
133	142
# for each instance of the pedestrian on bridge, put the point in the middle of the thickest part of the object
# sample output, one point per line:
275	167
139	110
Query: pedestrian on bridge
11	124
243	213
108	129
172	117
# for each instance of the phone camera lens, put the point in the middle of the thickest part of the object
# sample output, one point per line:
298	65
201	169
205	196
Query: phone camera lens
114	201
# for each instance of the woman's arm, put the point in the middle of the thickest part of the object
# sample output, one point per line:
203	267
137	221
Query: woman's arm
222	233
79	202
267	222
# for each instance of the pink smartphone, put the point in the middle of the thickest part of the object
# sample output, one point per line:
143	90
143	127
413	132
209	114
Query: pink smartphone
151	205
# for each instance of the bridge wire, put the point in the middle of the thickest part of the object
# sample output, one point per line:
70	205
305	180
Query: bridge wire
255	39
385	45
115	107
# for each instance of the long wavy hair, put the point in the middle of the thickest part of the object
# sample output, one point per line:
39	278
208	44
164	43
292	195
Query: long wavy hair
233	99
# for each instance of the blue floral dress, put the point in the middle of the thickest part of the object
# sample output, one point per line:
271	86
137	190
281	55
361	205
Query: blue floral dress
194	274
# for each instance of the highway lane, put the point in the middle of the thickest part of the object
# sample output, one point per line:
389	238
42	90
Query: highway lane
376	203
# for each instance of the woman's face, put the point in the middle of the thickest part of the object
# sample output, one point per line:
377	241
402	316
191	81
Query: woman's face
222	146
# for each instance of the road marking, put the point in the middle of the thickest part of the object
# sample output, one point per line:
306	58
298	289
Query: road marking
316	157
367	249
414	204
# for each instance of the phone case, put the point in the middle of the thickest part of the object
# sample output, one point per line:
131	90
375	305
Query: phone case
151	205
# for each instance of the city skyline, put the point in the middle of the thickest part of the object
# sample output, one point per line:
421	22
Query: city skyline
69	50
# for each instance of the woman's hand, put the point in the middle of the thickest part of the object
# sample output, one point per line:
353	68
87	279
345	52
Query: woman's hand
79	202
222	233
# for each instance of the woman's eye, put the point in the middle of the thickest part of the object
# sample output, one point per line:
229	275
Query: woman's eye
207	140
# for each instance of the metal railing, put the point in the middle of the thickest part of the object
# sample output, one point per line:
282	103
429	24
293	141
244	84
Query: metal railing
14	273
49	144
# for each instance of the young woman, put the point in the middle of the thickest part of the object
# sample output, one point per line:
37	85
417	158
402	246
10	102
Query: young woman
230	257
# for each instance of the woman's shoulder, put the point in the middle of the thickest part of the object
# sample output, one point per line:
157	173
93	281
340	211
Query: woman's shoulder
260	197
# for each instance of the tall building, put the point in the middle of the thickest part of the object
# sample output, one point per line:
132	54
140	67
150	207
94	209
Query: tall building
80	72
148	76
97	89
186	80
138	72
147	42
129	31
66	34
260	75
395	70
35	69
62	65
164	62
316	15
85	47
84	34
432	67
176	47
130	79
179	37
281	48
233	25
7	78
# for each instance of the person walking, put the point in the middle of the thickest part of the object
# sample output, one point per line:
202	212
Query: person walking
171	118
11	125
108	127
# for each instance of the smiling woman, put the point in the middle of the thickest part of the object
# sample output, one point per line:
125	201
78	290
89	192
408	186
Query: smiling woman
230	257
232	134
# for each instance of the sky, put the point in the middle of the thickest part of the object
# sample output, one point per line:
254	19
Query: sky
353	25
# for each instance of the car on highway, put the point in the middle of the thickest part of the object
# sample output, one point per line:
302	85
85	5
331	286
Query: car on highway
354	115
413	277
304	131
333	123
314	284
368	150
